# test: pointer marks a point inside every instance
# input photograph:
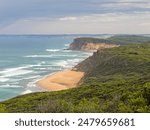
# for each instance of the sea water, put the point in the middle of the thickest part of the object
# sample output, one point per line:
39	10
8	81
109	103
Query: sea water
24	59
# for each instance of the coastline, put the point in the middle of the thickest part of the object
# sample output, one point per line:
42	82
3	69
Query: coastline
61	80
67	79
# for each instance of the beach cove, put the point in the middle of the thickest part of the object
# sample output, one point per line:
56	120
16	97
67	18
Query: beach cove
61	80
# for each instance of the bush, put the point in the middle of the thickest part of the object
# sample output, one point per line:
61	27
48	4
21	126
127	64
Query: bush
54	106
124	108
2	108
147	92
88	105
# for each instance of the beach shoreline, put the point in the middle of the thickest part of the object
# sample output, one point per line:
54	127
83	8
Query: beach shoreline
61	80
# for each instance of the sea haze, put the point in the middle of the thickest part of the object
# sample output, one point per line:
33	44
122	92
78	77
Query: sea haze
25	59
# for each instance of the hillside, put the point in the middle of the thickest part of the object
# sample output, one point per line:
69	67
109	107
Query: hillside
116	80
128	39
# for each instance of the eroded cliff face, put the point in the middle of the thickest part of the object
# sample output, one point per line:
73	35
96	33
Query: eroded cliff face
90	46
96	46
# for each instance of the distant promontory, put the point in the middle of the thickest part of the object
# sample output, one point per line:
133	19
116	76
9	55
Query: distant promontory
91	44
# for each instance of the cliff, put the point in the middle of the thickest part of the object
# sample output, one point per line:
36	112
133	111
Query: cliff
87	43
91	44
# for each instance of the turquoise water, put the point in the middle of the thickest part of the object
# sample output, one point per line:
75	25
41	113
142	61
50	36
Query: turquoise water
26	59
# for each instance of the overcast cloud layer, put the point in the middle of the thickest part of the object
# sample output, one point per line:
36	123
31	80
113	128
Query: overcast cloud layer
74	16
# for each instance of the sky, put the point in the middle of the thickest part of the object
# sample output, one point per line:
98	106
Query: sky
74	16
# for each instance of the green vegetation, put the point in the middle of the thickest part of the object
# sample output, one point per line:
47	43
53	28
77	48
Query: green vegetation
116	80
126	39
2	108
84	40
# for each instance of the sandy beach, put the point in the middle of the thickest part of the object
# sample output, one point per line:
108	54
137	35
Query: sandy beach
61	80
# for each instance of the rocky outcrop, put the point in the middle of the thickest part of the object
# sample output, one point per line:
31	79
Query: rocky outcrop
91	44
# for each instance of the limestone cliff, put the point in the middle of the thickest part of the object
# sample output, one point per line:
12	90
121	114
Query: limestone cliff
91	44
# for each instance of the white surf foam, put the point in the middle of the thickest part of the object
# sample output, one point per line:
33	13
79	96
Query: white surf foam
43	62
3	79
10	86
26	92
38	56
52	50
73	62
32	84
32	77
61	63
88	54
40	68
67	63
66	55
67	45
67	50
15	71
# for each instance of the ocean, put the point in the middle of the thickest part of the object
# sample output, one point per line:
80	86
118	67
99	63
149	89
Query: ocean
24	59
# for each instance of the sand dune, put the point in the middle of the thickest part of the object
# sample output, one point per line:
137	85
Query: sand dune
61	80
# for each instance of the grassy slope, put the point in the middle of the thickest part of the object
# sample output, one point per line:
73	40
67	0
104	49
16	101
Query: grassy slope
117	80
123	39
83	40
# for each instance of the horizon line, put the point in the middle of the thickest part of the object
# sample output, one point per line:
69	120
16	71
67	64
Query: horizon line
84	34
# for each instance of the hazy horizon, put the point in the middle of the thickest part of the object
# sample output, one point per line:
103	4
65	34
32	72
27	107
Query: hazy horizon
78	34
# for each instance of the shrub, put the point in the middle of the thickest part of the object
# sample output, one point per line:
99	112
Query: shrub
2	108
88	105
147	92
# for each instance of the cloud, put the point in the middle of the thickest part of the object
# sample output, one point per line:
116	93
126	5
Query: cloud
147	24
134	1
12	10
125	6
93	23
74	16
68	18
